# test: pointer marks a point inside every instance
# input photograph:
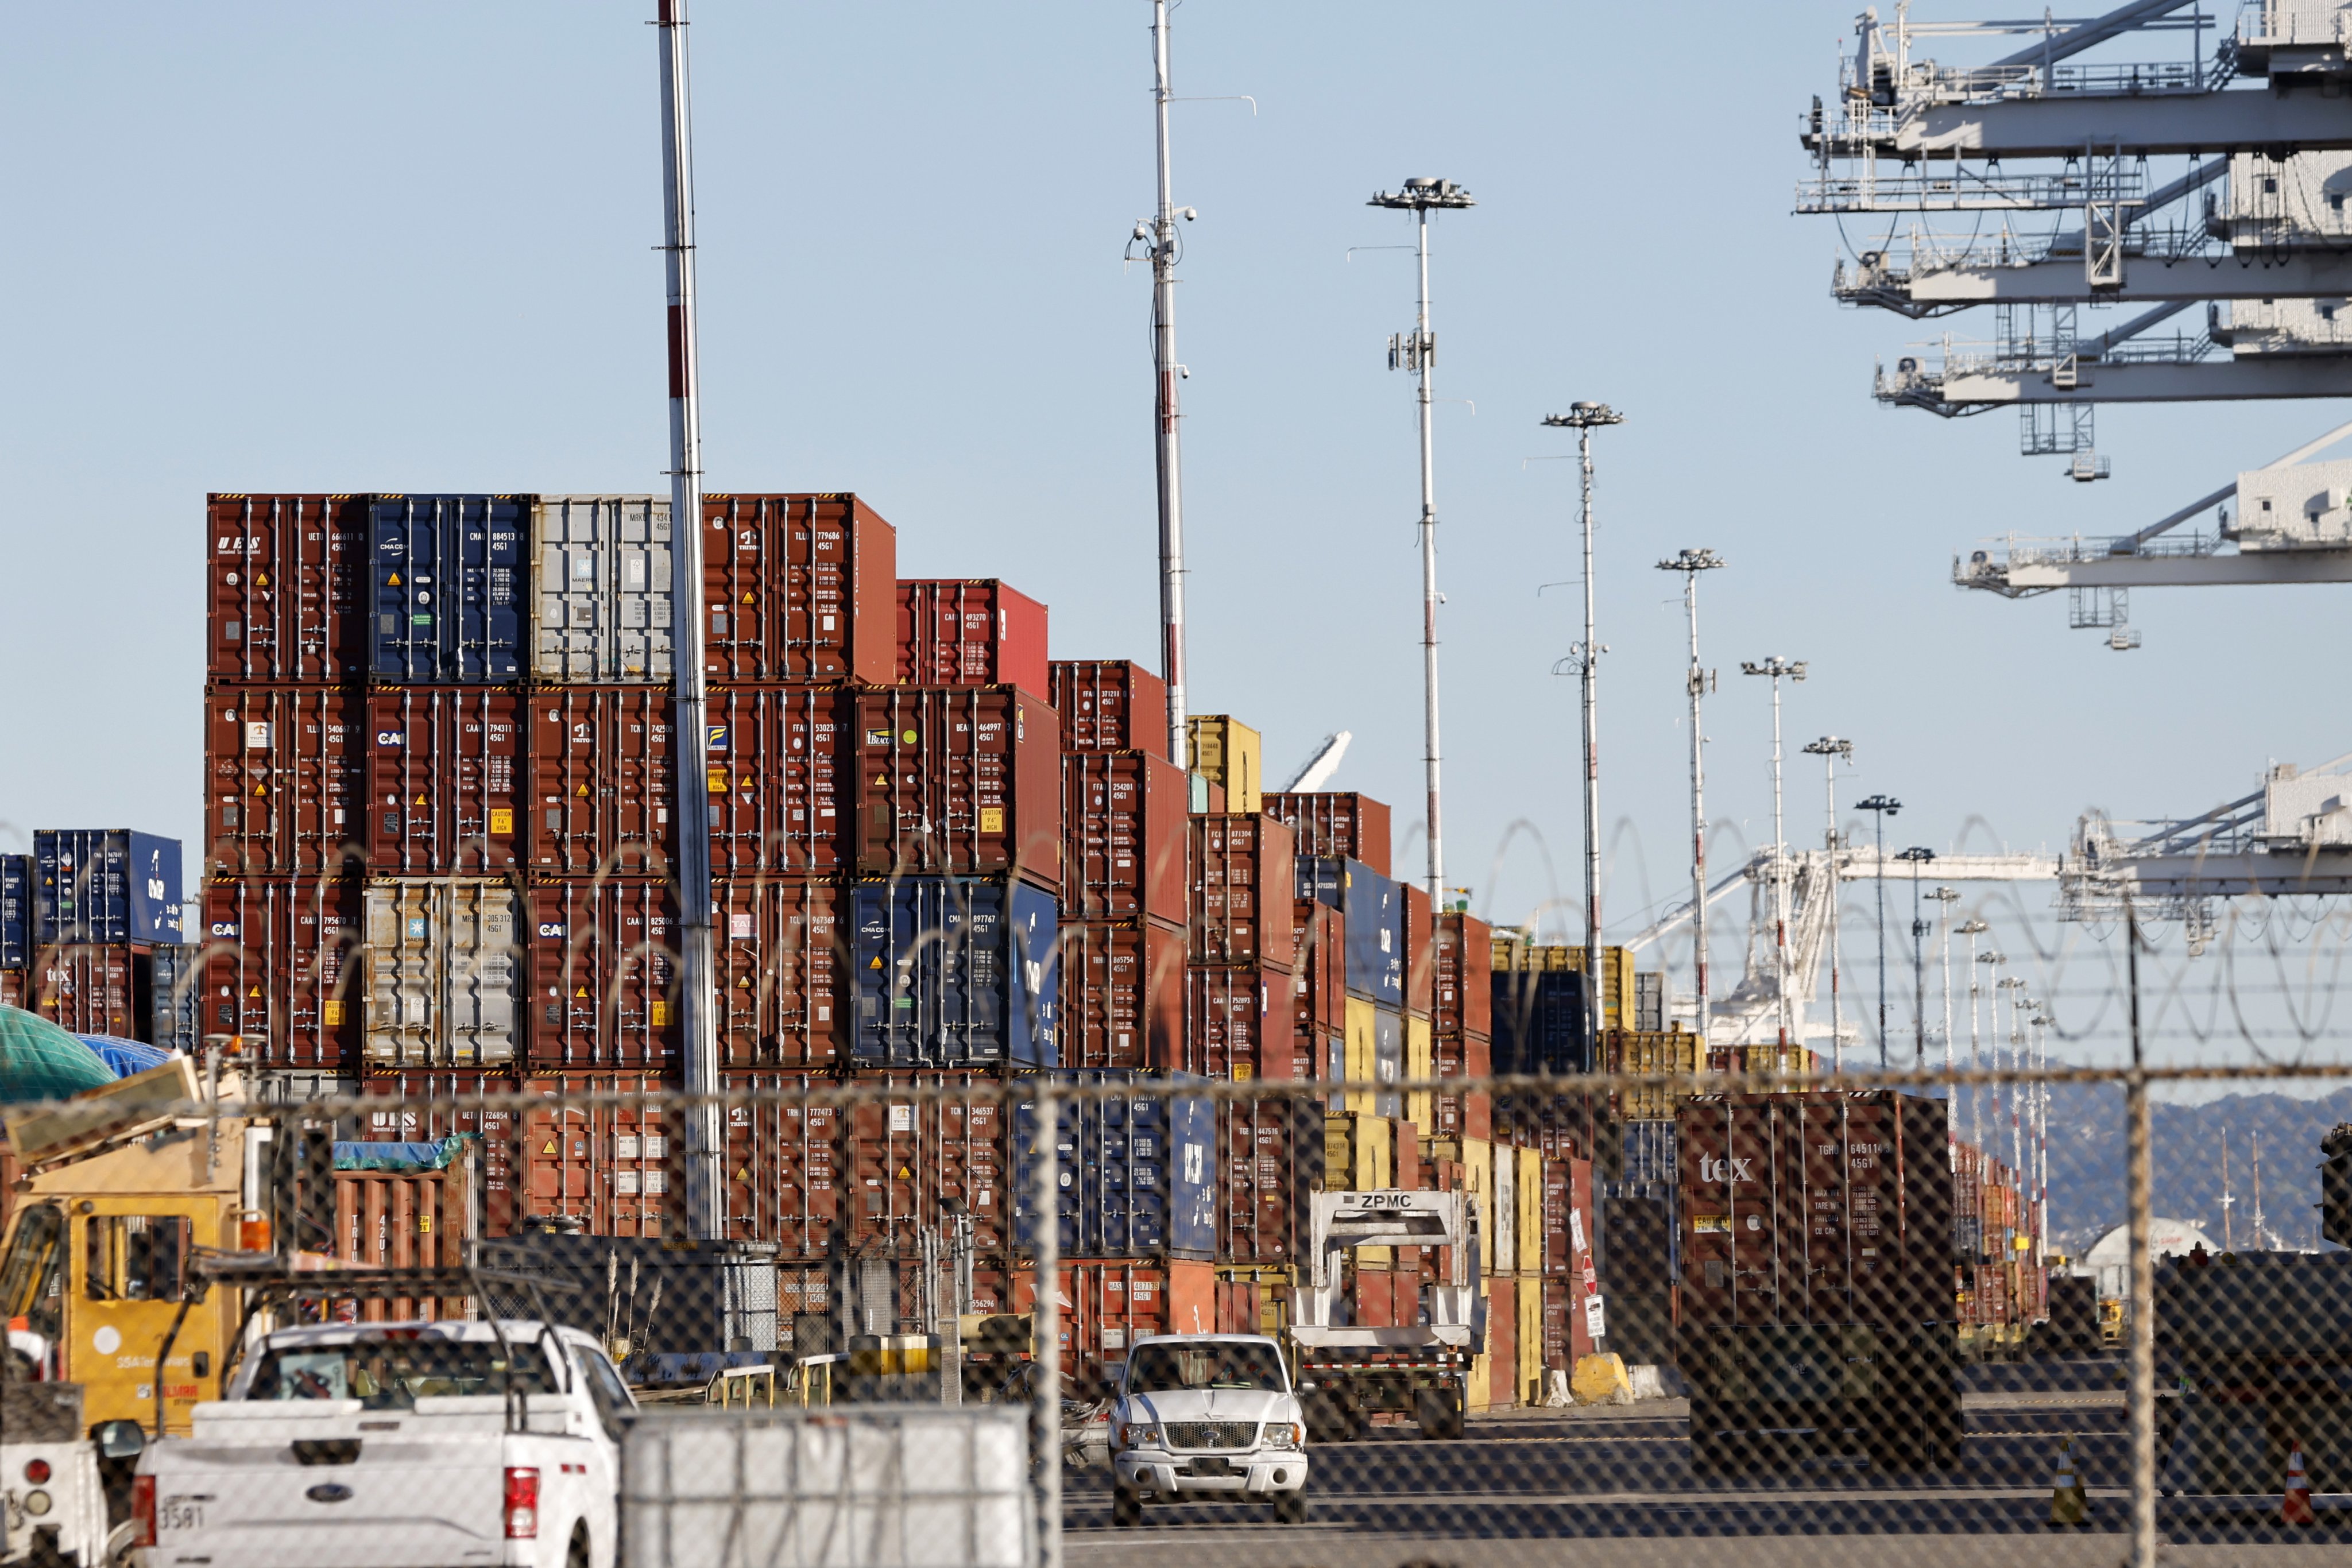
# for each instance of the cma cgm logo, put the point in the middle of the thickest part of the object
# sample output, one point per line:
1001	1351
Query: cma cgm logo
1711	1169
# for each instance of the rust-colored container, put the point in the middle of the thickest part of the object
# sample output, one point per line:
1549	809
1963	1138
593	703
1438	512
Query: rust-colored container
1319	967
1420	955
1271	1152
1325	823
958	779
604	964
1503	1340
798	588
285	778
1243	893
285	577
1814	1209
421	1107
783	966
969	631
1461	998
1109	704
615	1167
1110	1304
86	988
1470	1114
784	775
406	1219
15	986
445	772
598	796
281	969
1375	1293
781	1176
1122	837
1122	994
906	1161
1238	1025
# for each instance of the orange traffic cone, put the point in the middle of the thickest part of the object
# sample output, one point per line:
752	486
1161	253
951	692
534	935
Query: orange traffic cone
2294	1508
2068	1505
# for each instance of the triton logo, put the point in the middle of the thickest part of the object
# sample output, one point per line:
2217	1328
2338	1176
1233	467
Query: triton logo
1711	1169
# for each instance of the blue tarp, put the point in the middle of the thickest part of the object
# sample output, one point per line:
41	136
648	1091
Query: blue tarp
420	1156
126	1057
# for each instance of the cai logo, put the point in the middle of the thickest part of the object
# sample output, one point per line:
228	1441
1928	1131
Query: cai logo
388	738
225	928
550	930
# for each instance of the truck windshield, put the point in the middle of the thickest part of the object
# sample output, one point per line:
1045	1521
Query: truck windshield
34	1273
1169	1368
393	1372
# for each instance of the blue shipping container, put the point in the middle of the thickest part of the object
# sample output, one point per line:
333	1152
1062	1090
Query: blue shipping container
1388	1062
1373	907
173	976
1138	1172
106	884
447	594
15	912
956	971
1321	878
1540	1022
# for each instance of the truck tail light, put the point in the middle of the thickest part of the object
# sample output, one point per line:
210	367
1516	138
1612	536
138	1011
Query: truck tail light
142	1510
522	1503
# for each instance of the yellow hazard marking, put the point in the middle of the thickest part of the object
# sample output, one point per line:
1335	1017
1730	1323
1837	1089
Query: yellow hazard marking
906	1175
395	579
875	964
747	596
502	818
261	788
581	992
260	579
550	1148
743	1175
420	800
255	992
584	789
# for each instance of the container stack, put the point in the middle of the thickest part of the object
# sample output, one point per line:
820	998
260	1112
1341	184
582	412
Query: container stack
2001	1286
92	936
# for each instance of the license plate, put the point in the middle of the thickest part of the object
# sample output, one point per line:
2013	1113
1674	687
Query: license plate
1213	1467
180	1513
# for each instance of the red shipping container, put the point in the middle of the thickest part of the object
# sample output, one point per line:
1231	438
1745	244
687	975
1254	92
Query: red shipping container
783	777
444	769
779	950
1272	1155
285	582
612	1163
1122	994
281	969
425	1107
1320	972
86	988
969	631
12	988
959	780
1470	1114
602	968
906	1161
1122	837
1373	1298
1503	1341
1419	957
1325	823
1109	1304
781	1176
1462	992
799	588
1239	1308
598	790
1109	704
285	778
406	1220
1244	892
1238	1026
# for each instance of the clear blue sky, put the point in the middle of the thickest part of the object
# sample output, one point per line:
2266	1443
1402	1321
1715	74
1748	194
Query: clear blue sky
410	247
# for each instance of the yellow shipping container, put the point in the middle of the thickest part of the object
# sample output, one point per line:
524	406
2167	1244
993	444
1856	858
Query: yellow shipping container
1476	1159
1531	1344
1653	1051
1517	952
1527	1197
1362	1058
1360	1155
1420	1063
1228	752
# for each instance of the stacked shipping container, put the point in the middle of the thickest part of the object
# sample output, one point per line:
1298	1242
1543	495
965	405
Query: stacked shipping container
92	936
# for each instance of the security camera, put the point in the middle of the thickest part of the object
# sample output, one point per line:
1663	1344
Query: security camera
1191	212
1142	231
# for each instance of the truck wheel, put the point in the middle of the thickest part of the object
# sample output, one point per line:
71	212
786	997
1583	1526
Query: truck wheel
1438	1412
1290	1507
575	1554
1125	1508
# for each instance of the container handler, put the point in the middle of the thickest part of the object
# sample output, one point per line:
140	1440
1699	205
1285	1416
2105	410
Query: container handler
1816	1299
1346	1374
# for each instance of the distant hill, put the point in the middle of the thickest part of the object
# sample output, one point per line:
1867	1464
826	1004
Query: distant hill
2087	1161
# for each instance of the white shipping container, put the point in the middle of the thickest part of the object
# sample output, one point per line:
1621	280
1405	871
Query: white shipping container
862	1487
440	961
1504	1192
602	564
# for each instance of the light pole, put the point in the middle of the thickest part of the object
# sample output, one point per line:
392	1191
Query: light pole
2041	1133
1794	669
1992	961
1883	807
1945	897
1690	563
1584	418
1917	855
1829	748
1417	351
1165	373
2014	985
1970	928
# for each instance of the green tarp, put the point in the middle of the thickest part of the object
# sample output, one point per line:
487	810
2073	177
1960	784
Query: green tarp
39	1060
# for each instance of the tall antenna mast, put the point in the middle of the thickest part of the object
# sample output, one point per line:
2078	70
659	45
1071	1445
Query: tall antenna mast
1165	372
1690	563
1829	748
690	737
1583	418
1417	351
1794	669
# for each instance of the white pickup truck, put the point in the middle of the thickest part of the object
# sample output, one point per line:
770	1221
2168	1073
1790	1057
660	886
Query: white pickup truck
402	1445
